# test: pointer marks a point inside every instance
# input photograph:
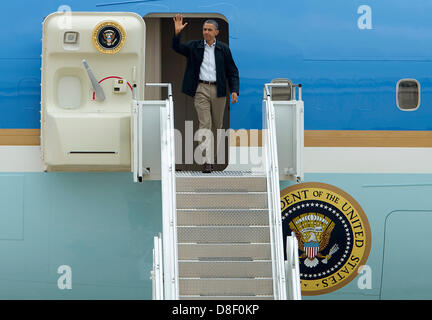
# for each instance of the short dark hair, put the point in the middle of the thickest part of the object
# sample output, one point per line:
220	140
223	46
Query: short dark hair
213	22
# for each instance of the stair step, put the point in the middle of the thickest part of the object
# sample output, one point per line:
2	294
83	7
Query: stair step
223	234
221	184
258	251
226	287
220	174
225	269
226	217
219	200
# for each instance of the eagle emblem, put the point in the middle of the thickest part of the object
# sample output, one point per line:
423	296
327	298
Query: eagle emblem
313	232
110	37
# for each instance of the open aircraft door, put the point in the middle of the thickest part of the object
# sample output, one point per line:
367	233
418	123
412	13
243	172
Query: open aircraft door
92	64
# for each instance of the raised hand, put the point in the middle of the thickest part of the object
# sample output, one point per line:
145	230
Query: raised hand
178	23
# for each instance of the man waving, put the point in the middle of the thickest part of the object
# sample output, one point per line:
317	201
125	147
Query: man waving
209	66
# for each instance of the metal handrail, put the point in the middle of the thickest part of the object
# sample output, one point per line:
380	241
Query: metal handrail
272	170
286	284
169	218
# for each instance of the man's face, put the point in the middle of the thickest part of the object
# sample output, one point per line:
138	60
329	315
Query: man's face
209	32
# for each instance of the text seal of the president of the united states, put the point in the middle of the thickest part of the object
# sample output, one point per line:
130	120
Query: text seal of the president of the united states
333	234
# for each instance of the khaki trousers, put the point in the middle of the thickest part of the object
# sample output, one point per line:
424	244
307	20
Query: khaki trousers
210	109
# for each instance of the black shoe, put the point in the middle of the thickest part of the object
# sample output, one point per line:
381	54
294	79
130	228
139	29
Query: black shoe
207	168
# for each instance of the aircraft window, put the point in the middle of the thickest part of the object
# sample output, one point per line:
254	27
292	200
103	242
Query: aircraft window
408	94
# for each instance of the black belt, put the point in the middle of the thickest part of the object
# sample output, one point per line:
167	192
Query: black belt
207	82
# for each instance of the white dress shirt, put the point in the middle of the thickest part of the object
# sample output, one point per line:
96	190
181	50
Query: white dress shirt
208	65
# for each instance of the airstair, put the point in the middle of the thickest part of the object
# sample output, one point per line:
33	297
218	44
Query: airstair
222	232
223	236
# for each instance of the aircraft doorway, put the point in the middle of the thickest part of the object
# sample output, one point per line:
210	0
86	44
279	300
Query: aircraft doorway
164	65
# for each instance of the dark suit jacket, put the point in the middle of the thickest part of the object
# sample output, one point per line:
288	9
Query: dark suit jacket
225	67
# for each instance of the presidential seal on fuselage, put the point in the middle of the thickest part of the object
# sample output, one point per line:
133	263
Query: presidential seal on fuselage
333	234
